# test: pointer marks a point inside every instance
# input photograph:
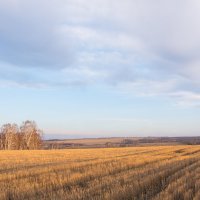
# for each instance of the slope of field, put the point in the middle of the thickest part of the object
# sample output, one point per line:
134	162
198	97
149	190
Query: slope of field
114	142
161	172
119	142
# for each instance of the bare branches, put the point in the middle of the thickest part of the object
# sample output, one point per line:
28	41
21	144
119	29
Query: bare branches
28	136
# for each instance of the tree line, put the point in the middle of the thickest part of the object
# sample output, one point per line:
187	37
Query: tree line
27	136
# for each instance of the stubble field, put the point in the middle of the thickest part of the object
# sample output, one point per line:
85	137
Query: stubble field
158	173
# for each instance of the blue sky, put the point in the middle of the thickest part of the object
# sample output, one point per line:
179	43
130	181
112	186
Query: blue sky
92	68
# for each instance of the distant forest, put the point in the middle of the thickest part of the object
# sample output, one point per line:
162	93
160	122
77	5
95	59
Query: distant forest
27	136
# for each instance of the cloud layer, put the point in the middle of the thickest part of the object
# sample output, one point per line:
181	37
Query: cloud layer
141	47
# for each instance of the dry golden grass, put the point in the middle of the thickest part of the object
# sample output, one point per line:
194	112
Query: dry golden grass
159	173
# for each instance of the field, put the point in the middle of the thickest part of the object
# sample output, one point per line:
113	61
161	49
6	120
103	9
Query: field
152	172
87	142
119	142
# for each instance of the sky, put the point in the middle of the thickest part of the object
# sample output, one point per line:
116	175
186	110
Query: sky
101	68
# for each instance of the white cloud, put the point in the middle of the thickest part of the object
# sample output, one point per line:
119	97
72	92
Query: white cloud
186	98
148	47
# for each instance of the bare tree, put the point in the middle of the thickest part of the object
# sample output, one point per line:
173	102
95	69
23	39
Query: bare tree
9	137
30	135
27	137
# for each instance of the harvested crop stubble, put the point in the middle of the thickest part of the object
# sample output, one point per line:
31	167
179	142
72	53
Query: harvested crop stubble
160	172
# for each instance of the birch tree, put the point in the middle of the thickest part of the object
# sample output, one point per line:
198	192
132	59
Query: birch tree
30	136
27	137
9	137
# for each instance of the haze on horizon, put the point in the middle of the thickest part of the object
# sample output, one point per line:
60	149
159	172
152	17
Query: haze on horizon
91	68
